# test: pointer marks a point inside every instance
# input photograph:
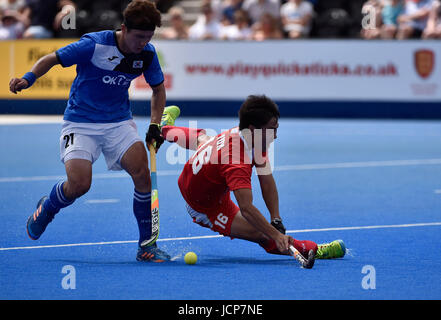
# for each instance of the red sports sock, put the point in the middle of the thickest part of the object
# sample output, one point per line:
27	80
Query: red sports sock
183	136
270	247
303	246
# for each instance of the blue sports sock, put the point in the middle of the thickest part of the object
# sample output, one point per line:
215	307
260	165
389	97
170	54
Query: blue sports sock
57	200
143	215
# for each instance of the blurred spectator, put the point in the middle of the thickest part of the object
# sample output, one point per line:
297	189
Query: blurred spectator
433	29
13	21
13	5
178	30
355	15
97	15
10	27
390	12
256	8
372	7
240	29
161	5
268	27
217	7
296	18
335	18
413	21
207	26
230	7
45	17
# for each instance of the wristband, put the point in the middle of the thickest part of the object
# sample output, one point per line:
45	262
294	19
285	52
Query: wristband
30	77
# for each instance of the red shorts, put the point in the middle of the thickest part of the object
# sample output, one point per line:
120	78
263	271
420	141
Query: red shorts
218	219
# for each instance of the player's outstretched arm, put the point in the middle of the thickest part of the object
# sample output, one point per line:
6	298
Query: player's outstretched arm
157	108
40	68
270	195
244	199
158	103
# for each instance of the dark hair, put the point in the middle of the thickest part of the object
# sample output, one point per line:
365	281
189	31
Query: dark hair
257	111
142	15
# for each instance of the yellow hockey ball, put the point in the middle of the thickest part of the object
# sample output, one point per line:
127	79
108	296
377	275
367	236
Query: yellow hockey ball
190	258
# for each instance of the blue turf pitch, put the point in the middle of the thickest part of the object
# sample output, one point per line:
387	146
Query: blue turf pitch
374	184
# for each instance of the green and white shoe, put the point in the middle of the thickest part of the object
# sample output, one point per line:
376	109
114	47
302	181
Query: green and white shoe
169	116
332	250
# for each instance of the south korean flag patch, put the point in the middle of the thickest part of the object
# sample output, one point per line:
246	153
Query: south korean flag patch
137	64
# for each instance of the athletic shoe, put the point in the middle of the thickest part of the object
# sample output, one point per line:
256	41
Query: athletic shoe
169	116
38	221
152	253
332	250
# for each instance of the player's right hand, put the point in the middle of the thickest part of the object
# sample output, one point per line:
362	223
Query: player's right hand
282	242
17	84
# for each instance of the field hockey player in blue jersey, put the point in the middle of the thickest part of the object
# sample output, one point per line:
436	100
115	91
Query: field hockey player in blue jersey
98	118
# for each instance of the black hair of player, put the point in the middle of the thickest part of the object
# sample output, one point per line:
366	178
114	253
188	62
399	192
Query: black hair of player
257	110
142	15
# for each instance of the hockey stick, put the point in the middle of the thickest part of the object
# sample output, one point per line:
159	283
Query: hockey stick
155	202
306	263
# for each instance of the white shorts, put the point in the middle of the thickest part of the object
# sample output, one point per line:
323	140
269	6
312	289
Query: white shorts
87	141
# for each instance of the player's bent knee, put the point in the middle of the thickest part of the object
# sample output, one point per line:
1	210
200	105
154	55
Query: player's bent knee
81	189
76	189
141	178
142	173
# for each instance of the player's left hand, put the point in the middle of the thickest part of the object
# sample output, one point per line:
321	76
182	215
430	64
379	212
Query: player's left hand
277	223
16	85
154	135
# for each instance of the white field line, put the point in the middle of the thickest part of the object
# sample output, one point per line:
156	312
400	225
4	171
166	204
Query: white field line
298	167
363	164
99	201
409	225
95	176
19	119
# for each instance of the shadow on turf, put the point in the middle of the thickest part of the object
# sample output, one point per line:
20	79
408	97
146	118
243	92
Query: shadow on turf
204	261
217	260
207	261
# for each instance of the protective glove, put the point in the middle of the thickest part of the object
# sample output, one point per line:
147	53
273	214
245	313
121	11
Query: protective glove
154	134
277	223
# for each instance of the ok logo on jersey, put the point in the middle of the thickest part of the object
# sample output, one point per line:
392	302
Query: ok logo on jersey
117	81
